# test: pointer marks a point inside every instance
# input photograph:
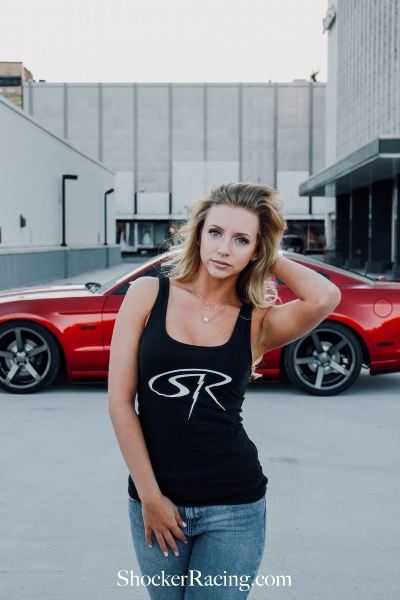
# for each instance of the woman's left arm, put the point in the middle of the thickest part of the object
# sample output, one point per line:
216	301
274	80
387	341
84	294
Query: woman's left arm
317	297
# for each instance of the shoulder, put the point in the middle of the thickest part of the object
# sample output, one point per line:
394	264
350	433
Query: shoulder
141	295
143	284
174	281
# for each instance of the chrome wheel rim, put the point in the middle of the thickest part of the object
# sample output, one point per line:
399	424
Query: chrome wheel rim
324	359
25	358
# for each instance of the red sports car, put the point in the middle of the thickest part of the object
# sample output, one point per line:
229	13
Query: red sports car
46	328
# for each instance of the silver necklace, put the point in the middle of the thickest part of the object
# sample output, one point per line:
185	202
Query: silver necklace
208	319
200	296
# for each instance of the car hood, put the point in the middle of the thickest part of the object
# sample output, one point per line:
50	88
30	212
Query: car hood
44	292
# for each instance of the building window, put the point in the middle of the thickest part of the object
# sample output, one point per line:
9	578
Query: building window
10	80
135	236
311	232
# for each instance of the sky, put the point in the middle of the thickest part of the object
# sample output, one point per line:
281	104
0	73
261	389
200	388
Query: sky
175	41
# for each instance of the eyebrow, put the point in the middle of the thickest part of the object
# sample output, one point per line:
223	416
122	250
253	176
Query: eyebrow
222	229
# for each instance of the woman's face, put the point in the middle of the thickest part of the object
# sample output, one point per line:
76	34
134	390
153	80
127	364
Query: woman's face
228	240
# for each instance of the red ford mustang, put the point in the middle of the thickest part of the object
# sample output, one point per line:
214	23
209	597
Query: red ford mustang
43	329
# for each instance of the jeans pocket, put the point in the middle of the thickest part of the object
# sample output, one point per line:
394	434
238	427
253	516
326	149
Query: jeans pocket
133	499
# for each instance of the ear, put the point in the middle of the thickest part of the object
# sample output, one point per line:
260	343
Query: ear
255	255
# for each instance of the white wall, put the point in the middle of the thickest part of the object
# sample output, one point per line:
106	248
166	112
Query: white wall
192	179
296	206
124	194
152	203
288	187
32	162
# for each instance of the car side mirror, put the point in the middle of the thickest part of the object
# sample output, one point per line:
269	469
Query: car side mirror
92	287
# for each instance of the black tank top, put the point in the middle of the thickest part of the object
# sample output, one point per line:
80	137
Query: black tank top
189	406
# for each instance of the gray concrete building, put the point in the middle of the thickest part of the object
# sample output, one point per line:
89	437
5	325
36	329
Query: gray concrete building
45	234
363	133
168	143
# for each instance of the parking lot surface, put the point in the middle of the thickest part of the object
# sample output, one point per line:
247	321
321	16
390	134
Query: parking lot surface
332	500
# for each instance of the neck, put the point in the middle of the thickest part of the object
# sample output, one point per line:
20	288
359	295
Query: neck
213	289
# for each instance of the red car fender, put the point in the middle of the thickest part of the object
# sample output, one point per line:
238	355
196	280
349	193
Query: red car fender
362	334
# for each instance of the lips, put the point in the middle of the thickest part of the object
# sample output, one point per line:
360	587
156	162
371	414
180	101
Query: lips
220	263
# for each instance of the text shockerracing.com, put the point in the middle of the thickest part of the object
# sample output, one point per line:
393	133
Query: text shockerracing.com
194	577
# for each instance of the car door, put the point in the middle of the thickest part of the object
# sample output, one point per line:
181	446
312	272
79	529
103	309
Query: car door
112	305
79	320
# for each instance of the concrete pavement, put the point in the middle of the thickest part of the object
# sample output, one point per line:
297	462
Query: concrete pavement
332	500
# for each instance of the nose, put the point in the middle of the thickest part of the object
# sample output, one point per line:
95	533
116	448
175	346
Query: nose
224	249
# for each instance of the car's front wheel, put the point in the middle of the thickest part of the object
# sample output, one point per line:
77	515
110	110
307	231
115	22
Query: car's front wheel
326	361
29	357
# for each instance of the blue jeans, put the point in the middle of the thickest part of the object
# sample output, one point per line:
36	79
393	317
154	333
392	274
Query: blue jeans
223	553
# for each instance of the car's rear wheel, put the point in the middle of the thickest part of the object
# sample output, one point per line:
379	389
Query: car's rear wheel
326	361
29	357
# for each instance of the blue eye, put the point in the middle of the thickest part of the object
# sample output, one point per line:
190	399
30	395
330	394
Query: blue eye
244	240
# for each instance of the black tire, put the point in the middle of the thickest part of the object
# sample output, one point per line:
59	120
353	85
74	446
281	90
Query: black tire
326	361
30	358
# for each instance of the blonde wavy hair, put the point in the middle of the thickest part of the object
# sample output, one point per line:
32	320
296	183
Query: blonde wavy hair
254	284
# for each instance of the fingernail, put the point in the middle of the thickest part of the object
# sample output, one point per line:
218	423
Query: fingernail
183	524
176	553
165	553
150	546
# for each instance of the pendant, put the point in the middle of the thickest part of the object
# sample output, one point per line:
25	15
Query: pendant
205	319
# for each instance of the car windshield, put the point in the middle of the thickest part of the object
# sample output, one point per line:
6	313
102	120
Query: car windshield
320	263
120	279
132	274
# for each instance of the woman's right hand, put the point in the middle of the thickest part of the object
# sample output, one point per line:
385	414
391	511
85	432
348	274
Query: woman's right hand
162	516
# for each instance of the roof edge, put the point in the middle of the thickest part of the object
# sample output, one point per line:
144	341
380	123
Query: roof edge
25	115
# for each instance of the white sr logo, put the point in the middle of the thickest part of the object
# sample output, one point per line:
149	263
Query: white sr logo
183	390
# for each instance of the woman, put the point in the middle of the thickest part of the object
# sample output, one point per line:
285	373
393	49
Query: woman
196	488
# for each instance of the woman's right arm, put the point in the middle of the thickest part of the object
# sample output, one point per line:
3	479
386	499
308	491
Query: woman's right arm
159	513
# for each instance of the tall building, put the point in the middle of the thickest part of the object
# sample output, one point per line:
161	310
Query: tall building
168	143
363	132
12	77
